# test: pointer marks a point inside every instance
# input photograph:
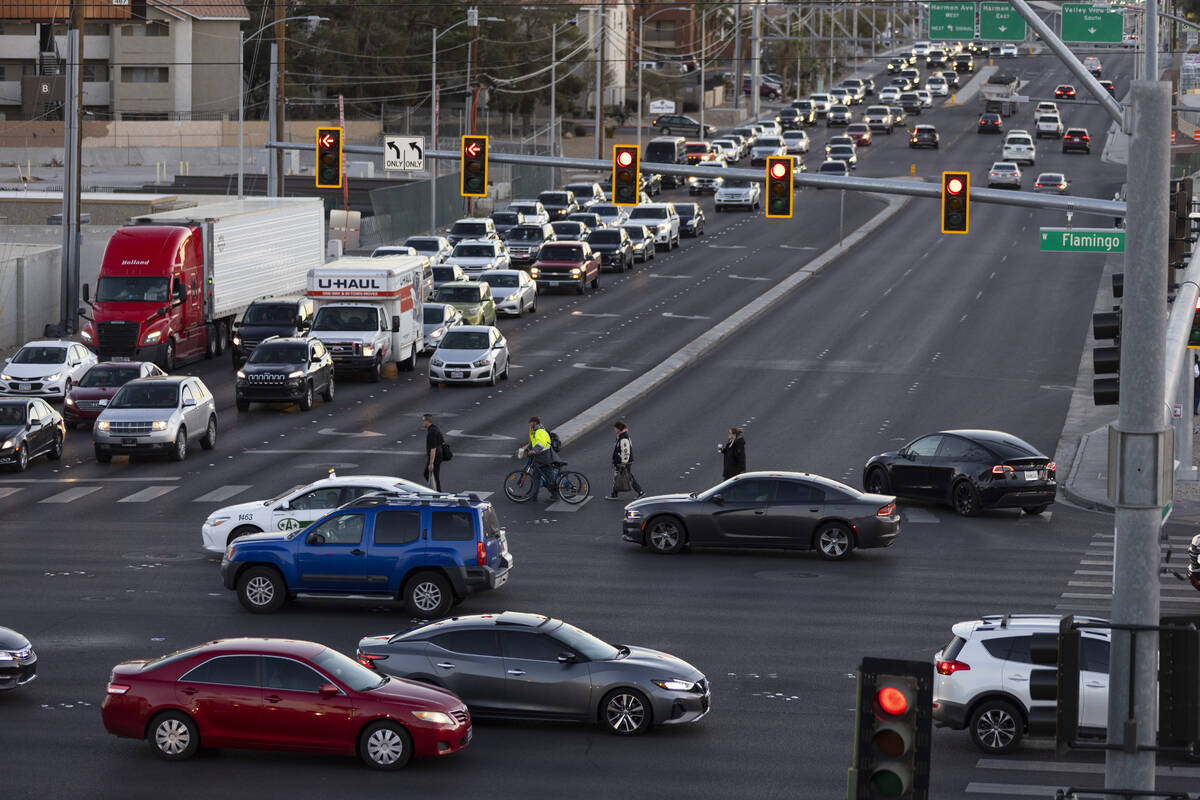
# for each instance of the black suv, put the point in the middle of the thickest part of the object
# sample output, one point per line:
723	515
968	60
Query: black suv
614	246
559	203
285	370
525	242
691	218
271	316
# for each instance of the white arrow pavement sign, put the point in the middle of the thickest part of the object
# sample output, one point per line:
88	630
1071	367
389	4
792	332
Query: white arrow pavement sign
749	278
796	247
601	369
491	437
404	153
669	315
348	435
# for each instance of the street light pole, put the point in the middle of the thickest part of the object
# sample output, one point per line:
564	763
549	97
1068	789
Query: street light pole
703	39
433	126
641	57
553	81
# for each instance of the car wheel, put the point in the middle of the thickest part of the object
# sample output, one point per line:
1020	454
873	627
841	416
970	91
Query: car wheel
533	306
239	532
66	389
666	535
261	590
965	498
22	462
56	448
877	481
996	727
243	405
492	379
1035	510
582	287
428	595
103	456
596	281
179	450
376	371
174	736
306	401
384	745
626	712
209	441
327	395
169	358
834	541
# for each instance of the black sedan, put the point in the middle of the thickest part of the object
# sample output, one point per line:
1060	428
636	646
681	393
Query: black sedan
924	136
990	123
614	246
515	665
775	510
967	469
18	662
691	218
29	428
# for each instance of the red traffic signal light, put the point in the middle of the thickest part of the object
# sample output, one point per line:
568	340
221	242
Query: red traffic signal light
779	187
956	201
329	158
893	729
474	166
892	701
626	178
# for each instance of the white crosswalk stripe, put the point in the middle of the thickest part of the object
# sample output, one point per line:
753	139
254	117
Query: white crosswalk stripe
222	493
148	494
560	507
5	491
71	495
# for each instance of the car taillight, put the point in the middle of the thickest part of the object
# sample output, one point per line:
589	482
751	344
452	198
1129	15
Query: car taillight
1001	469
950	667
886	511
117	688
480	553
369	659
1062	186
1051	467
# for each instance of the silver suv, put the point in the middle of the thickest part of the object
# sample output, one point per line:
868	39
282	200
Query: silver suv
156	415
981	679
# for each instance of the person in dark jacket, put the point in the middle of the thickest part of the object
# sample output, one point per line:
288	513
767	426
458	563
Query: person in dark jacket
734	452
622	458
433	452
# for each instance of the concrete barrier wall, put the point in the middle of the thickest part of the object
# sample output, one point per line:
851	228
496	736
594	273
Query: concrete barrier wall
95	239
29	286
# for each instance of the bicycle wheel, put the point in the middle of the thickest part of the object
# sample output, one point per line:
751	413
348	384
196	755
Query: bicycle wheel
573	487
519	486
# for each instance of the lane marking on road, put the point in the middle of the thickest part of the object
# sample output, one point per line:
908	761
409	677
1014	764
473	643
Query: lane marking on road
7	490
589	314
348	434
72	494
559	505
488	437
88	480
222	493
1100	563
480	495
147	494
728	246
377	452
676	277
797	247
1075	766
669	315
581	365
748	277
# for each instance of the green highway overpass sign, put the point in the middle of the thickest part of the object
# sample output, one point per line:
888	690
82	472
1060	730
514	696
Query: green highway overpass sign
951	21
1083	240
1083	22
1000	22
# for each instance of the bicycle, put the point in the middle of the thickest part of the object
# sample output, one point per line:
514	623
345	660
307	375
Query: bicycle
521	484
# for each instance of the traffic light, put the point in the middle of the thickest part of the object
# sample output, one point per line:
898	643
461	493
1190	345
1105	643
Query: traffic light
1178	689
893	730
474	166
1106	359
1193	342
956	201
626	177
779	187
329	158
1179	224
1058	685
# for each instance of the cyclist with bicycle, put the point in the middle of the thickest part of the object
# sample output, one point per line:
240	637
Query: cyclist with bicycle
542	452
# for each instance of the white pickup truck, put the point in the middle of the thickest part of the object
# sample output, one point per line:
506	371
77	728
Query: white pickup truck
369	311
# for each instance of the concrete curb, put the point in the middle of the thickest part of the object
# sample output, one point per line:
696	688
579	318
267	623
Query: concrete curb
607	409
1068	488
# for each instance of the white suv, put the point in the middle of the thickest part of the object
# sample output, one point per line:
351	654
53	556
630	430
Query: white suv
1019	147
738	193
981	679
1049	125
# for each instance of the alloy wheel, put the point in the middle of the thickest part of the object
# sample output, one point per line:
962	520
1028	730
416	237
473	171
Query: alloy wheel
625	712
260	590
426	596
996	728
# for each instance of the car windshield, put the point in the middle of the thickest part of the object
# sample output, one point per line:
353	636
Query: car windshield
40	355
649	213
279	354
131	289
836	168
1049	119
465	340
445	274
1012	447
697	147
503	281
525	235
147	395
606	211
269	314
469	229
1051	177
505	217
567	229
423	245
12	414
1023	141
1004	168
588	219
604	236
737	184
457	294
584	189
474	251
685	209
769	141
553	198
392	250
108	377
636	232
841	150
529	209
349	671
857	127
585	644
346	318
560	253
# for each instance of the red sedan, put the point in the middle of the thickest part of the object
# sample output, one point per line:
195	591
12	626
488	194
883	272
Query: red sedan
860	133
280	694
1065	92
90	396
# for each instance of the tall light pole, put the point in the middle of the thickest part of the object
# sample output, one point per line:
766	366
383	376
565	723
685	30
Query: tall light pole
641	58
312	20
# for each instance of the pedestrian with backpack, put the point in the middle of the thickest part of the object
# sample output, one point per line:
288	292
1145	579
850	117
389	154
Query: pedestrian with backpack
622	458
436	451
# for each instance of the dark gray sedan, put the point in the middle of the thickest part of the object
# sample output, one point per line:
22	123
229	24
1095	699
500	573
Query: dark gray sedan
526	666
776	510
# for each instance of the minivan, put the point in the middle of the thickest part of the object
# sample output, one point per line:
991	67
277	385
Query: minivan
666	150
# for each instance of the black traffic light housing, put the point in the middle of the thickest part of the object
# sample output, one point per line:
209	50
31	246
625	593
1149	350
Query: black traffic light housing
1106	359
1059	685
956	202
1193	341
1178	687
329	158
627	176
779	187
474	166
893	729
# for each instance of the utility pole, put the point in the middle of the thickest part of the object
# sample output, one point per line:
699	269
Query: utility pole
554	83
703	42
600	79
737	55
279	60
756	58
72	155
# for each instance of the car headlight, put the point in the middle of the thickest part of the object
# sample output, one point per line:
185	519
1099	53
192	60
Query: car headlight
237	340
368	350
158	425
297	373
8	445
4	377
230	552
152	337
436	362
511	297
216	522
575	273
87	337
102	425
676	685
632	513
483	362
437	334
533	272
6	656
241	374
52	378
436	717
69	402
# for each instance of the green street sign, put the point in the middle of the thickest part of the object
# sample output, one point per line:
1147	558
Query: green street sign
951	21
1000	22
1083	240
1083	22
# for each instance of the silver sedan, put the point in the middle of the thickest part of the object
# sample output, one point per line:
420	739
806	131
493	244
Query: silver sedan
513	290
438	319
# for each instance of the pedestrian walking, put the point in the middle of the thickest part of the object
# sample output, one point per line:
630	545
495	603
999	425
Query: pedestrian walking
434	443
734	453
622	458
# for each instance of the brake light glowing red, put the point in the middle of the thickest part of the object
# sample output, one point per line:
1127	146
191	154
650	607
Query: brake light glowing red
1001	469
1051	467
117	688
886	511
480	553
950	667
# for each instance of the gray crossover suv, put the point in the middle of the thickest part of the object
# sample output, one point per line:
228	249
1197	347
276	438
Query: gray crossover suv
529	666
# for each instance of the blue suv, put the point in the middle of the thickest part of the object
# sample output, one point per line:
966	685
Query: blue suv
427	551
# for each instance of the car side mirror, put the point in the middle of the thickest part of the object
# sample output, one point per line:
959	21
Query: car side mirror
315	538
396	323
87	294
567	658
718	499
327	690
189	401
183	292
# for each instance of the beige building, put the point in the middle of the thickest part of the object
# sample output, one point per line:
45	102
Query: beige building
153	60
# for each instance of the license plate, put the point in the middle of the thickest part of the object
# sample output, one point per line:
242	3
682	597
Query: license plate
24	387
1031	475
128	440
458	373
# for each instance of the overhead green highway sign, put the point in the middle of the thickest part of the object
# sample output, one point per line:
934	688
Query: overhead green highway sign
1083	240
1083	22
951	21
999	22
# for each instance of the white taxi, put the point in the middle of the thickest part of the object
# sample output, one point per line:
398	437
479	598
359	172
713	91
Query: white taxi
297	508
